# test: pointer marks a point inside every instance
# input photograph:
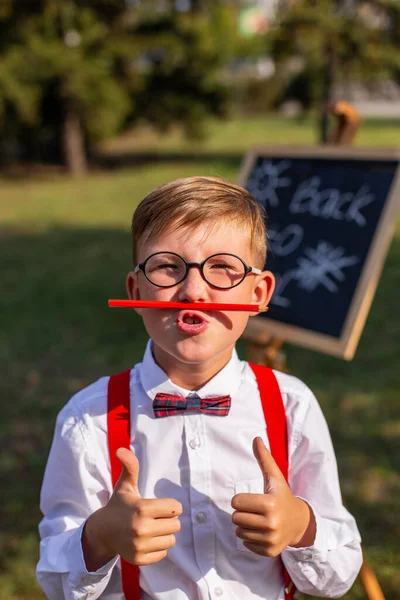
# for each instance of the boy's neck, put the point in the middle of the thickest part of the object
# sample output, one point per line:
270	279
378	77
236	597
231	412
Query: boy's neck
188	375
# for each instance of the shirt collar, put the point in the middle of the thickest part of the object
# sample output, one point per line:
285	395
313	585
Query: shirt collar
154	379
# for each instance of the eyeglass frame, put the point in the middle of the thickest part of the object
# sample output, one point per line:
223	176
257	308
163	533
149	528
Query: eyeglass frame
247	269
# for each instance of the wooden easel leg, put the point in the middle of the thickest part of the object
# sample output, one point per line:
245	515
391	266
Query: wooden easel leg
269	354
369	581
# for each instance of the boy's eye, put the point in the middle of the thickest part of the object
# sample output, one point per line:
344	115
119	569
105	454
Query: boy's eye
223	266
165	266
220	266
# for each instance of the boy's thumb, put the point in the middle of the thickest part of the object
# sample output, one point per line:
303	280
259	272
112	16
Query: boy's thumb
128	479
270	470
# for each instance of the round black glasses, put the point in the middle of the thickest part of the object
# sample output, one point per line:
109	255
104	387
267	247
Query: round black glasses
223	271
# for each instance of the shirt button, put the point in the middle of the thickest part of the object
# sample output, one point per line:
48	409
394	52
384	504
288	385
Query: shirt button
195	443
218	591
201	517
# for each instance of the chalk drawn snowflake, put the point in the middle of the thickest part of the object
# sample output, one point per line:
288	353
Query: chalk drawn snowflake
321	266
266	179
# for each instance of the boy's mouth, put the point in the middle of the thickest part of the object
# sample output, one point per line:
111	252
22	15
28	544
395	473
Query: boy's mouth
192	322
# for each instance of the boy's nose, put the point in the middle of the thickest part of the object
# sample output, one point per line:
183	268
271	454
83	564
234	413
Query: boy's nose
193	288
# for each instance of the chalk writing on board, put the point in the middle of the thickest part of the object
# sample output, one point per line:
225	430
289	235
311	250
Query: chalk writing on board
318	266
286	241
331	203
267	179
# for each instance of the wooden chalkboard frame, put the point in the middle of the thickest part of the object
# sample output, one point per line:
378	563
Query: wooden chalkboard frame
260	330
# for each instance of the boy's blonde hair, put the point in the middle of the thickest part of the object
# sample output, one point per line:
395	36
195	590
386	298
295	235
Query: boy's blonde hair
192	201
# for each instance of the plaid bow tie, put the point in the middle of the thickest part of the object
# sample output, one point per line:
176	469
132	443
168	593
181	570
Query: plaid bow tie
172	404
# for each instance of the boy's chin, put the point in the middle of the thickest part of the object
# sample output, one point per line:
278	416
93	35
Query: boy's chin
192	354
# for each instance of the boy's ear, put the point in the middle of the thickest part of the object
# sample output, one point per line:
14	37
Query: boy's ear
132	289
263	289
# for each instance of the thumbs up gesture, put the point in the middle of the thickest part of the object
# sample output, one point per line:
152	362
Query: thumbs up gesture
269	522
141	530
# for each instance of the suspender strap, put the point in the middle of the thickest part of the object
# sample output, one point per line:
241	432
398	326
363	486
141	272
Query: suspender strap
275	420
119	436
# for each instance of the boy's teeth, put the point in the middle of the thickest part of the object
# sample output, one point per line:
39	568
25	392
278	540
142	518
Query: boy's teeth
192	321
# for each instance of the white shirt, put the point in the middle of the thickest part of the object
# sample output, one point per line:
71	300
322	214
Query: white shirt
202	461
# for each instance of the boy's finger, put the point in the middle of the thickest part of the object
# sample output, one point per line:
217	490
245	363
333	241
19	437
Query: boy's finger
268	466
130	470
157	527
254	504
248	520
157	544
147	559
160	508
253	536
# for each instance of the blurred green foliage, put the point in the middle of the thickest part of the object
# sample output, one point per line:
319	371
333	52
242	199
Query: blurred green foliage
73	72
318	43
105	66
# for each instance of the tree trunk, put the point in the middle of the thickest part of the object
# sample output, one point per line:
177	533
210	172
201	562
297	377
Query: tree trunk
328	79
73	142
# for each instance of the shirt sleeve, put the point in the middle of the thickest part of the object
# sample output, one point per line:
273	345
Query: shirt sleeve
73	488
330	566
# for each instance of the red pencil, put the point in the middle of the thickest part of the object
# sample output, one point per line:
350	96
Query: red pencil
186	305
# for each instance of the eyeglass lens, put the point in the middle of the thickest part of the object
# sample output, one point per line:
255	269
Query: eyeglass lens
222	270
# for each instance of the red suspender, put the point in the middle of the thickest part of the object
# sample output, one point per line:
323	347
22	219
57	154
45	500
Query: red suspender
119	436
118	423
275	420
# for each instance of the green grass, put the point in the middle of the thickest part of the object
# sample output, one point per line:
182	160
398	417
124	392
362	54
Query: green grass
230	137
64	250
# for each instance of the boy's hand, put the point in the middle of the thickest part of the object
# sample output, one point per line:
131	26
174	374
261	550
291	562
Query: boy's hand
268	523
140	530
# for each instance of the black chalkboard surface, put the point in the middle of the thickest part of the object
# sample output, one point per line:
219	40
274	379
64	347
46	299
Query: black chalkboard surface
331	214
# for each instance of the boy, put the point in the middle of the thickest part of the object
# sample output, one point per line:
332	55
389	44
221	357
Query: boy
201	505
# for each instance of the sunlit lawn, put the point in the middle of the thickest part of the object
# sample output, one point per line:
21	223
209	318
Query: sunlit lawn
233	136
64	250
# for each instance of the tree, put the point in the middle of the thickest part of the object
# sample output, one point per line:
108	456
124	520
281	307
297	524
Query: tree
336	40
94	67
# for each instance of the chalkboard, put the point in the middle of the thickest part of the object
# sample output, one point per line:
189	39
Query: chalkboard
331	214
